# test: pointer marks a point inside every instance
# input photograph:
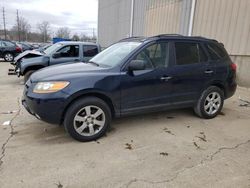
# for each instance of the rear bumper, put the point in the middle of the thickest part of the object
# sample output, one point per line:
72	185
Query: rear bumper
230	90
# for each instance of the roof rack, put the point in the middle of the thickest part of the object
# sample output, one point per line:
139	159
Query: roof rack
135	37
200	37
167	35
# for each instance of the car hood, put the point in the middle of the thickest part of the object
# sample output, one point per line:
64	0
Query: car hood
27	53
66	71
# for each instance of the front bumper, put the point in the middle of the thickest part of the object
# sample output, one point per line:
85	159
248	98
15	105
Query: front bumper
46	107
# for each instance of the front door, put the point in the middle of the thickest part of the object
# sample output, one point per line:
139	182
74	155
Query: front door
149	88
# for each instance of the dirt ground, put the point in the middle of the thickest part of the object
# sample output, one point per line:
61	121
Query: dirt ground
167	149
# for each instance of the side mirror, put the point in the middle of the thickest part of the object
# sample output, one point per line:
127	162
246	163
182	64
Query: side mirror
56	55
137	65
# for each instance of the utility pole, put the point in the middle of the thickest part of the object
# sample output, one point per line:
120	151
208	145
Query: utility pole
4	25
93	33
18	25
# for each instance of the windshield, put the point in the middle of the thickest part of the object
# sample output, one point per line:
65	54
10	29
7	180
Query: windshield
114	54
52	48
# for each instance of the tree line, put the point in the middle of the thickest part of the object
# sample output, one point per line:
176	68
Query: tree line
22	31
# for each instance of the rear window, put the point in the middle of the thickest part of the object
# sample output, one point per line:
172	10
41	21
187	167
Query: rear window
215	52
189	53
90	51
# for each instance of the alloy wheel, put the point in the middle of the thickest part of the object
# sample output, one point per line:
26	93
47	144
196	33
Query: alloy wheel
8	57
89	120
212	103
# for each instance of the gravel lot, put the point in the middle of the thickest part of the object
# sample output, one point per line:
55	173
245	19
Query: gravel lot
167	149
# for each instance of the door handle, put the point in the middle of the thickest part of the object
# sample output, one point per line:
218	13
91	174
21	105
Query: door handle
76	59
209	72
166	78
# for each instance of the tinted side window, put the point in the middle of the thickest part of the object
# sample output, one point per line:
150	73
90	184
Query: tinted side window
202	54
156	55
8	44
90	51
186	53
69	51
215	52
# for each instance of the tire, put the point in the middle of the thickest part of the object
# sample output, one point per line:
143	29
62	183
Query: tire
80	122
27	75
210	103
9	57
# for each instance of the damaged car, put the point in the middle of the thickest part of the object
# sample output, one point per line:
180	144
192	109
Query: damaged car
62	52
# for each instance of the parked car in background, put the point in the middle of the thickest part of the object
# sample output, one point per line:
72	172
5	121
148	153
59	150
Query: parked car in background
8	50
42	48
135	75
61	52
30	53
25	46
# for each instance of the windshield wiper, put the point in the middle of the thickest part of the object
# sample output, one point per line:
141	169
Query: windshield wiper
94	63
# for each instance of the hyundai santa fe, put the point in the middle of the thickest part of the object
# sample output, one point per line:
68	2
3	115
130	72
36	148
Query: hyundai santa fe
134	75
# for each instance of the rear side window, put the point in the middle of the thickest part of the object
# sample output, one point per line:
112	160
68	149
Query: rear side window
90	51
215	52
7	44
189	53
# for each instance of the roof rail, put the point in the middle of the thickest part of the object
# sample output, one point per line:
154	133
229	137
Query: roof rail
135	37
166	35
200	37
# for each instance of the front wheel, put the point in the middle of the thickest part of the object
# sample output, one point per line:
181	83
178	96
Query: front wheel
210	103
87	119
8	57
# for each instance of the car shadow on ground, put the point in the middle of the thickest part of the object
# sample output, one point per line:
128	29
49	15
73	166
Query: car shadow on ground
53	134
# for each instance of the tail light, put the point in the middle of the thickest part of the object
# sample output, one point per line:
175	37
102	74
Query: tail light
18	49
233	67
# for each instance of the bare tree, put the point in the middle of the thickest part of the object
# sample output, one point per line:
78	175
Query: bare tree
76	37
84	37
63	32
24	28
44	29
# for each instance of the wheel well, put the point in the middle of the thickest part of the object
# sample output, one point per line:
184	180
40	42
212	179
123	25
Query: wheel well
221	87
98	95
8	52
35	67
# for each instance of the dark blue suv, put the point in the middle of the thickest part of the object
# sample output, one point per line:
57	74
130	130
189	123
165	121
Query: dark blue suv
134	75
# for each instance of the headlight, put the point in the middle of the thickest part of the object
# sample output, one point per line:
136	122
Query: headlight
49	87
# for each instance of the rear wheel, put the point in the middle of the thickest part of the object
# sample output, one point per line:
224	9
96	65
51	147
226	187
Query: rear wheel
87	119
28	74
8	57
210	103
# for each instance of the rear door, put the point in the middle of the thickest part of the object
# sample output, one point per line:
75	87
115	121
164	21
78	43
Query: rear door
192	71
69	53
150	88
89	51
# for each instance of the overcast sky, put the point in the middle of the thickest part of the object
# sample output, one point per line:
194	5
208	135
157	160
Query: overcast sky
79	15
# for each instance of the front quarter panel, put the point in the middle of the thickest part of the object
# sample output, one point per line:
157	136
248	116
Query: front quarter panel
36	61
106	84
